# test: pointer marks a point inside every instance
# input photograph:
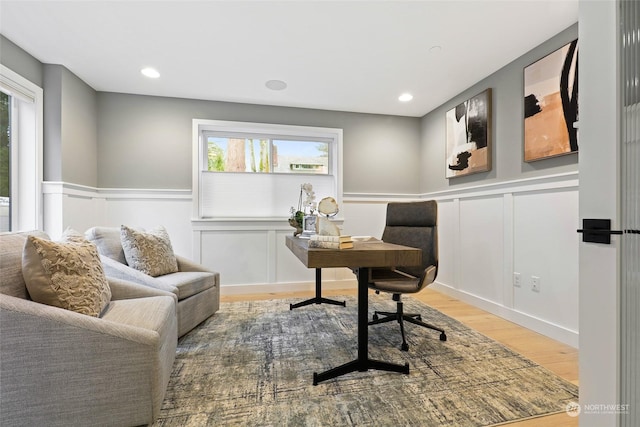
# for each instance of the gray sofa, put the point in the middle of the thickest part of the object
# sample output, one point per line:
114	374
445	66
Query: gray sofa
59	367
197	289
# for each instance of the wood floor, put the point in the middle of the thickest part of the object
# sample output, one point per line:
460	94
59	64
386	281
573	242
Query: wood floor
557	357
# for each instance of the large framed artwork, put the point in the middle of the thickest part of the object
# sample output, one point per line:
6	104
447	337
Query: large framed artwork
468	136
551	104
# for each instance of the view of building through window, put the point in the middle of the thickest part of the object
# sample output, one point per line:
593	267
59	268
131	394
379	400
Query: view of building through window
5	162
265	155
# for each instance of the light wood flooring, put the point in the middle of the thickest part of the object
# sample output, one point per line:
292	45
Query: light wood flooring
555	356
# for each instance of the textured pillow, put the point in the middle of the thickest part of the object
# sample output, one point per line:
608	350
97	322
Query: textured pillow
66	274
149	251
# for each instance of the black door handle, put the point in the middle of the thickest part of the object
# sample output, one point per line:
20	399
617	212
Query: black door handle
599	231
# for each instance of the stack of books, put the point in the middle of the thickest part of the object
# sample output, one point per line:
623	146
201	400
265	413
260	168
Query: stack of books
330	242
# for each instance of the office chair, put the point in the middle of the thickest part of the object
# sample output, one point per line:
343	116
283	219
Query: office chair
411	224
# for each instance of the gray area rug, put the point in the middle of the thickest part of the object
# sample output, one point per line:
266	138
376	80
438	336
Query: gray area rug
252	364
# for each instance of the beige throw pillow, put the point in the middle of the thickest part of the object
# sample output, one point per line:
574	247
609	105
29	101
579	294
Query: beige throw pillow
149	252
66	274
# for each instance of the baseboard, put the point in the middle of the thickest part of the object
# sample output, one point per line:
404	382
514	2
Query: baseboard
551	330
272	288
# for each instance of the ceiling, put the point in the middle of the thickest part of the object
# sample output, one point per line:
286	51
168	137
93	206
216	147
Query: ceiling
335	55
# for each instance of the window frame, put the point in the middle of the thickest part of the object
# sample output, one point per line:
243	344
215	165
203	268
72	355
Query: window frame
26	150
271	131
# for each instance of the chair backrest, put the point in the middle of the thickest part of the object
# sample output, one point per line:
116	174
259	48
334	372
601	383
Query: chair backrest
414	224
11	246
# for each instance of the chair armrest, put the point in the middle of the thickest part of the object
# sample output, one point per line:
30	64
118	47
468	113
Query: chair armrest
185	264
116	270
122	289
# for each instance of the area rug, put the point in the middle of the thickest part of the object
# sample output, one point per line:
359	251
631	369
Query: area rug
252	364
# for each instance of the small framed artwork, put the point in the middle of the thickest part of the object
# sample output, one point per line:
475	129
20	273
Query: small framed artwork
468	136
551	104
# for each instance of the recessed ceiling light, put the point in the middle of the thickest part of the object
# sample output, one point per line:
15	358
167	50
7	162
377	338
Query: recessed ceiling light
276	85
405	97
435	50
152	73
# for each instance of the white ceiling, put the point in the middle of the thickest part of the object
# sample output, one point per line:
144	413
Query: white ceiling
335	55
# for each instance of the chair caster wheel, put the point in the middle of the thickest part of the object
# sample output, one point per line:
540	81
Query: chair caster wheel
404	347
443	337
375	317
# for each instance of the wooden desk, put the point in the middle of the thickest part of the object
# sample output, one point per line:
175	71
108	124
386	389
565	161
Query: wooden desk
361	258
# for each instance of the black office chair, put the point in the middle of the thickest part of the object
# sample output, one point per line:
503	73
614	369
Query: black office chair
411	224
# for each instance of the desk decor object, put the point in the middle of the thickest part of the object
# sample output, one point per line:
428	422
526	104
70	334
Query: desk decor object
468	136
330	242
551	104
301	218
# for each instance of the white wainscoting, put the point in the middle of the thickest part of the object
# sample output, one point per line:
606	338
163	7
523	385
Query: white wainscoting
486	233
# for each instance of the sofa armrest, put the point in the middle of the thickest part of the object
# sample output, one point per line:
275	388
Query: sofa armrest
116	270
185	264
122	289
67	367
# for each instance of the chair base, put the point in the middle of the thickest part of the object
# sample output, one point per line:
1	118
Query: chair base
400	317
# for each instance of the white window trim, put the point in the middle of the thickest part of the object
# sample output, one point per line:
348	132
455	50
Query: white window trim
199	156
27	137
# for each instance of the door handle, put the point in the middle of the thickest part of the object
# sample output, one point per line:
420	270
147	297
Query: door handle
599	231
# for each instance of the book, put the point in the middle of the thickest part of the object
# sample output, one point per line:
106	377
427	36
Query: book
340	239
330	245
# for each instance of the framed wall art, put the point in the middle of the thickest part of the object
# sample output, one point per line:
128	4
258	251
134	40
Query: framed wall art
551	104
468	136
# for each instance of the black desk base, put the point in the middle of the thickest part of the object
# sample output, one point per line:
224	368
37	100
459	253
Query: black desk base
318	299
362	363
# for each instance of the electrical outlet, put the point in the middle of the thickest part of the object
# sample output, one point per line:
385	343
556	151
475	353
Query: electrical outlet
535	283
516	280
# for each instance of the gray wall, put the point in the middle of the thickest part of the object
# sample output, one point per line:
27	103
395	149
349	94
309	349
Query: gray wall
70	117
70	128
508	163
13	57
145	142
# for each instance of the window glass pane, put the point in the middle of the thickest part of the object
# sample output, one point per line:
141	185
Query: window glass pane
238	155
300	156
5	156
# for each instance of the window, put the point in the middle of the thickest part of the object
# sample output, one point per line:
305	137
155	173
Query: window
255	170
266	155
20	152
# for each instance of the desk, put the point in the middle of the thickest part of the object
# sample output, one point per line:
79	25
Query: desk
362	257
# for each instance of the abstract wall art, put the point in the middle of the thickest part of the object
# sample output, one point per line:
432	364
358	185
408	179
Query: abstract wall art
468	136
551	104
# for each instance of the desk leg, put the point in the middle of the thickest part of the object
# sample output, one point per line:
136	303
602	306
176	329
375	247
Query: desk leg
318	298
362	363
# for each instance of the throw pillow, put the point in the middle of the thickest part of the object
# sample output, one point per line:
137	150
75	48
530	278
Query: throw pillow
66	274
149	251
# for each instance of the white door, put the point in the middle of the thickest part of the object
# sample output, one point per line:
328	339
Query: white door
609	73
599	188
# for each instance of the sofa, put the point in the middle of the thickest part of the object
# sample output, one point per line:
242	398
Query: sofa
64	368
197	288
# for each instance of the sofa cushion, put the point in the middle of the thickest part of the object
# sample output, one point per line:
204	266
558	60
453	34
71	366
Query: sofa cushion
150	252
189	283
66	274
108	241
11	245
